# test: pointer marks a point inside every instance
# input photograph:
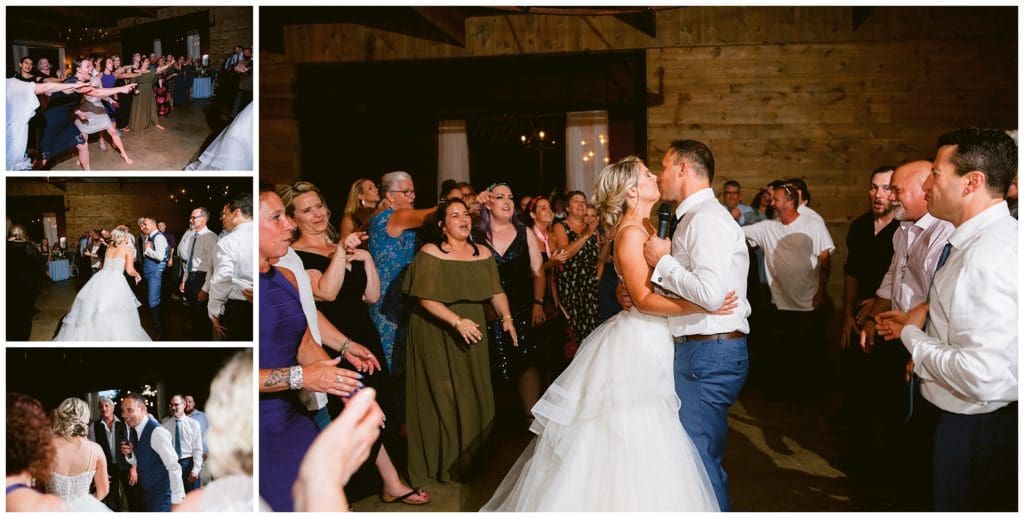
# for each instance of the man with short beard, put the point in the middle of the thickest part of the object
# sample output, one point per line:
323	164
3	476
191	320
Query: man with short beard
869	245
917	245
108	431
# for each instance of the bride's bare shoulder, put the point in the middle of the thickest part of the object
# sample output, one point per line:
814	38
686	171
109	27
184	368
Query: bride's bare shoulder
631	232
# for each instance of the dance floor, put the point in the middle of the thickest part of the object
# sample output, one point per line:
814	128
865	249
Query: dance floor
187	131
56	297
777	460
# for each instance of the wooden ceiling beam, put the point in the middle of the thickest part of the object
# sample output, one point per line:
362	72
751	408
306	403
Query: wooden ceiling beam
861	15
449	21
642	21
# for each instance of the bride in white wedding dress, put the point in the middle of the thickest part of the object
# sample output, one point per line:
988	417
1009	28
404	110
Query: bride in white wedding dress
106	309
232	149
78	461
608	430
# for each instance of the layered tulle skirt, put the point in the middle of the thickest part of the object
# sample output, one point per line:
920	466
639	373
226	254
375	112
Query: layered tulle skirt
608	432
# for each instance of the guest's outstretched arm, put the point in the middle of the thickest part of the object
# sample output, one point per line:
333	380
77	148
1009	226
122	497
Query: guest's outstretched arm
405	219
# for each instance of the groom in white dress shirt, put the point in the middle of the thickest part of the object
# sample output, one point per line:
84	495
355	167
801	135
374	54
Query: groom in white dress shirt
150	449
708	260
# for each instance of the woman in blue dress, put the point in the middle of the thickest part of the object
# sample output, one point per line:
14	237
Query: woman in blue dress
392	243
289	360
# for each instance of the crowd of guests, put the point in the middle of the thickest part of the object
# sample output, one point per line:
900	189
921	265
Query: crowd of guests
77	459
436	307
211	274
50	113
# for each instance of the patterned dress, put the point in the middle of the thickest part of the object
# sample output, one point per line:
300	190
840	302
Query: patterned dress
390	314
577	286
162	95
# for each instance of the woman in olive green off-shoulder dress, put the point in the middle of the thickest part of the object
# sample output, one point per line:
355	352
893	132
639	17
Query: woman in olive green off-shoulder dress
449	402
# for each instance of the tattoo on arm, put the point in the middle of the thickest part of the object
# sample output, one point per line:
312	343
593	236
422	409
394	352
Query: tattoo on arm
277	377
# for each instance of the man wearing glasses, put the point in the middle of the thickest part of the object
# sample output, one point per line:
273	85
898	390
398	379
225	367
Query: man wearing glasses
196	253
797	254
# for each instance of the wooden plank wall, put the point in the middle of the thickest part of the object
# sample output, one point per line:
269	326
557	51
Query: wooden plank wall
776	91
516	34
828	113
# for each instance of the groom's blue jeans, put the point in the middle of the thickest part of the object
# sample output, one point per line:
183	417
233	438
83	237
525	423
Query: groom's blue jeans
709	375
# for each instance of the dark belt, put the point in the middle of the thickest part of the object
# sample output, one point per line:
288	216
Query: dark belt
1008	409
709	338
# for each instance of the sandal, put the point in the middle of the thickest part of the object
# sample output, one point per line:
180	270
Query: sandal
405	499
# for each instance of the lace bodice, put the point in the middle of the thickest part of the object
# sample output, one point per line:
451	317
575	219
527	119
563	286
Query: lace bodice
69	488
114	263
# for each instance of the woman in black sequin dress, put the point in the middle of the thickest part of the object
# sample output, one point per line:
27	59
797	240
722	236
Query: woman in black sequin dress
518	255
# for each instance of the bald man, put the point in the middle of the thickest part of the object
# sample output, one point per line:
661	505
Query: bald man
917	244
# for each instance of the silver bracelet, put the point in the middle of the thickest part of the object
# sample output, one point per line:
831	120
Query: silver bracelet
295	377
344	346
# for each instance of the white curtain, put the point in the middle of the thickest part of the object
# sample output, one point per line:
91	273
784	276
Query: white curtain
50	227
19	51
157	48
586	149
452	152
193	46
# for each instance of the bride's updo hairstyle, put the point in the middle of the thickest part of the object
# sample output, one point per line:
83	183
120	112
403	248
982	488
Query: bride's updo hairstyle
72	418
119	234
612	188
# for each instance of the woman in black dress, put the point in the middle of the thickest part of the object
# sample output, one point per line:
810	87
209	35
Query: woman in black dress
518	255
344	280
577	282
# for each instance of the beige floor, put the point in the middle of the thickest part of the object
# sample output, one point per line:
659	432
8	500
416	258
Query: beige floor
186	132
56	297
777	460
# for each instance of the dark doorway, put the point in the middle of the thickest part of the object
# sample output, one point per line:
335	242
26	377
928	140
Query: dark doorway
362	120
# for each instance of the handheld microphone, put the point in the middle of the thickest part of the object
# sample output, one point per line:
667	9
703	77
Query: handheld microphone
665	218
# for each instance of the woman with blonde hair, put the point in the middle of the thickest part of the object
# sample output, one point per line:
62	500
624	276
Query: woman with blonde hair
230	437
106	308
78	462
344	280
362	201
619	390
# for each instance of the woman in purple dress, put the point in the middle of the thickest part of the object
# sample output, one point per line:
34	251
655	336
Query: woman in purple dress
289	361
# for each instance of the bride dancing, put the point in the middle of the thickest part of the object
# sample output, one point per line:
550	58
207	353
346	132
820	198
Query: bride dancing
106	309
608	431
78	461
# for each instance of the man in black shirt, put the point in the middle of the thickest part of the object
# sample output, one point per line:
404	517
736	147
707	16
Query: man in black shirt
869	246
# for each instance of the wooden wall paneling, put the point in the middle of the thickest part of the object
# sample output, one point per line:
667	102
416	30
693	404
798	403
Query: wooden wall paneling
827	112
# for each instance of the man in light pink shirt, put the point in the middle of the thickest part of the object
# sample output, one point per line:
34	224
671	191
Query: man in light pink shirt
917	245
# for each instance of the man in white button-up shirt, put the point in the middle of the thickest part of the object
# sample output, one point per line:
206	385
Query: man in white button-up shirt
187	436
151	450
963	343
229	309
708	260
